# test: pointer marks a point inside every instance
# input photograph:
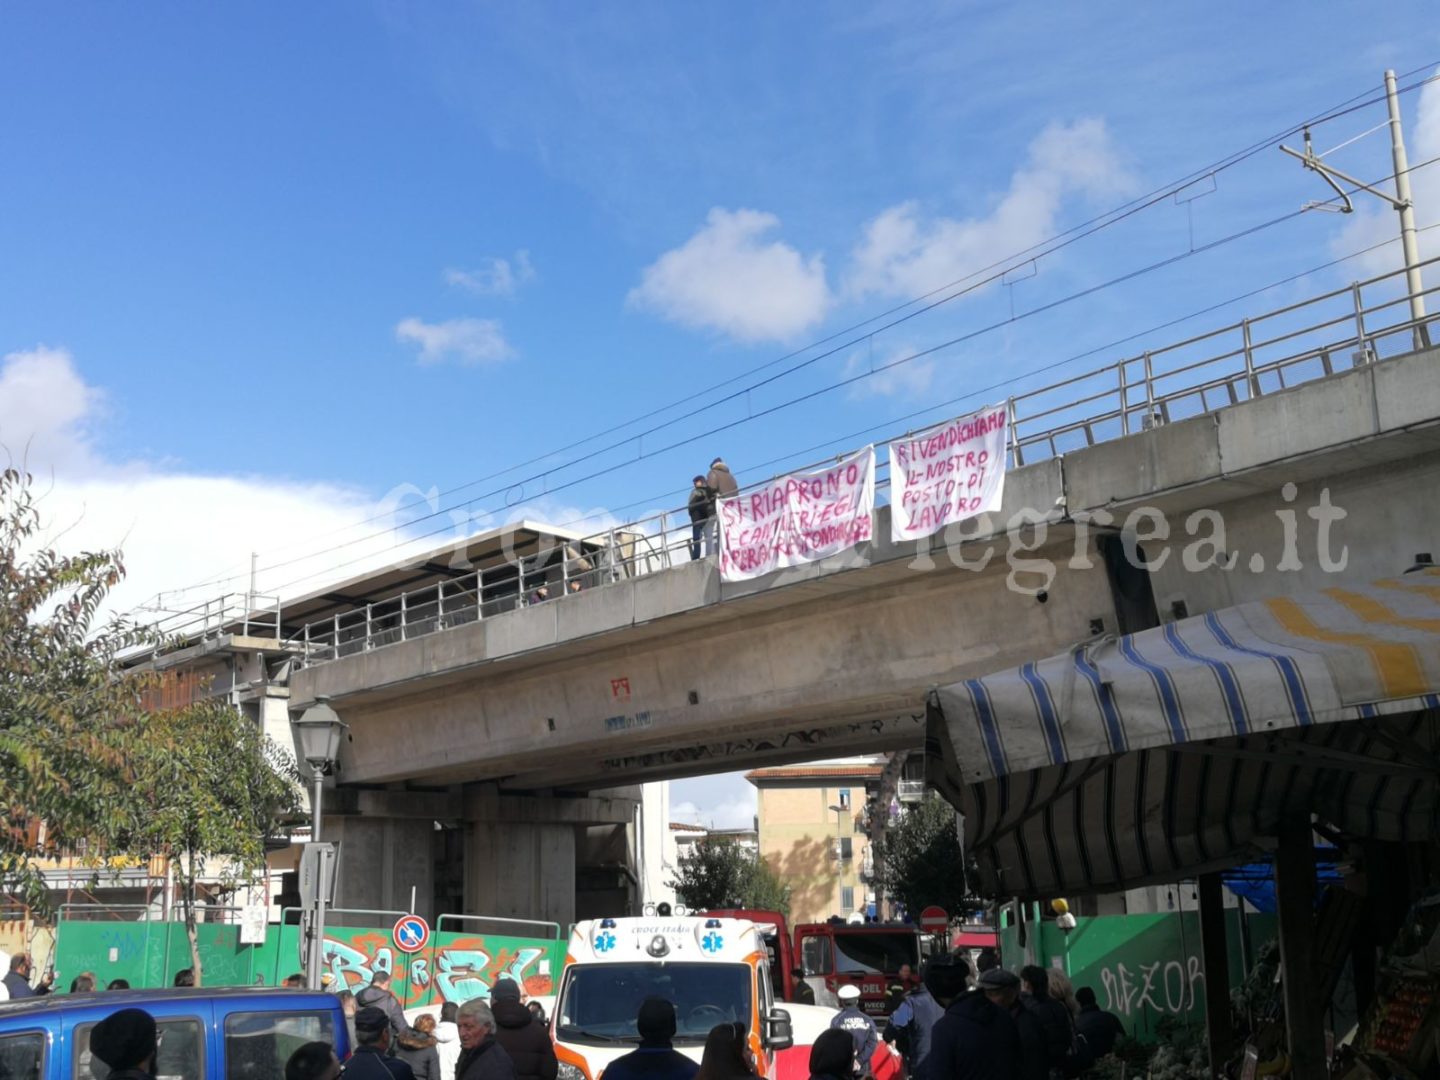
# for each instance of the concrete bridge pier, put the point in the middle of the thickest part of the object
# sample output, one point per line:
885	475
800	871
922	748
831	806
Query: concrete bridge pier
476	851
557	858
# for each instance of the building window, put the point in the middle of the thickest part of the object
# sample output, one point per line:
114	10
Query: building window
847	899
847	850
844	802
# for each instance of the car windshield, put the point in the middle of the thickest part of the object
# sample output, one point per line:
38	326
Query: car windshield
877	953
599	1002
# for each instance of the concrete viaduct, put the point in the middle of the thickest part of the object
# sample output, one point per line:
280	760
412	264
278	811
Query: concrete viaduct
523	724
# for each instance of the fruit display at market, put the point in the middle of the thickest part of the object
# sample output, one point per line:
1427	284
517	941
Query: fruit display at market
1400	1017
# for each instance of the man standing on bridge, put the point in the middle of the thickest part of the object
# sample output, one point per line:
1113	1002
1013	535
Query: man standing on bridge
722	485
701	508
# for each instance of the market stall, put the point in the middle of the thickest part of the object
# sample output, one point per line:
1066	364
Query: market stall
1181	750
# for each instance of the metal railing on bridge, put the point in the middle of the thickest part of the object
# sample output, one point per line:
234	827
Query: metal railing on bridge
1275	351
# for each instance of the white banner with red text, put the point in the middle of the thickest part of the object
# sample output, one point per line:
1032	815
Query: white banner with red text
797	519
947	473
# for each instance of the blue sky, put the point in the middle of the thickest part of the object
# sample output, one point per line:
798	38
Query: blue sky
266	268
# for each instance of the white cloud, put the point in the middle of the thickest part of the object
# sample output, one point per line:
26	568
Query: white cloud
466	341
495	276
1373	222
45	408
187	536
911	379
175	528
905	253
727	277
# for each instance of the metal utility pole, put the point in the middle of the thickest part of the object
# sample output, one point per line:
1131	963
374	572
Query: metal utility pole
1406	207
1401	201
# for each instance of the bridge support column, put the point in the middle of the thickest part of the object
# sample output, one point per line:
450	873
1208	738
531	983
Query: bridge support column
381	860
521	870
556	858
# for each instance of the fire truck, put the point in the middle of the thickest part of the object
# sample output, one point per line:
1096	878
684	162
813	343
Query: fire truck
831	954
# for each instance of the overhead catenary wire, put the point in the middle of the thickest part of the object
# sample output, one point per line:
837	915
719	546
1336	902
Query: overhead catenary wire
849	381
927	302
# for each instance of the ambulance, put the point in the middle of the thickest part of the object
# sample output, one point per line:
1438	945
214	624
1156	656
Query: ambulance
713	970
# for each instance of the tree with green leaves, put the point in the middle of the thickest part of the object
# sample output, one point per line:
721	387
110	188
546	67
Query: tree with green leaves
83	761
70	718
721	873
919	862
209	788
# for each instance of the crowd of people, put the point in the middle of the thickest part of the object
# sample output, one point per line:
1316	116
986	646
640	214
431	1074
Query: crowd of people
951	1024
998	1025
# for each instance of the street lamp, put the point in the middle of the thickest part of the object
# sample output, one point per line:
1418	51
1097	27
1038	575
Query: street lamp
317	734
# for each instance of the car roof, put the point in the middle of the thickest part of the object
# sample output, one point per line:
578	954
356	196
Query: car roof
110	1000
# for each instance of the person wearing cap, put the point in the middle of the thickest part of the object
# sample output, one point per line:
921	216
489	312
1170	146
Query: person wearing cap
701	508
974	1039
481	1056
126	1042
523	1037
862	1029
656	1058
379	995
1003	989
371	1059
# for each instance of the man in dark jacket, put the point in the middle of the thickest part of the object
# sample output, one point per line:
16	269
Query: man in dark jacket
523	1037
804	993
126	1041
313	1061
701	508
722	485
379	996
833	1056
481	1056
1097	1027
1054	1018
17	979
1002	988
975	1039
371	1059
655	1059
911	1024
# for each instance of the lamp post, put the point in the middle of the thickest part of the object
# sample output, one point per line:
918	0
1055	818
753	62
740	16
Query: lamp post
317	734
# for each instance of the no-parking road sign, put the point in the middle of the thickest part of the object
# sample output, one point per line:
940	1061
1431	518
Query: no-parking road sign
411	933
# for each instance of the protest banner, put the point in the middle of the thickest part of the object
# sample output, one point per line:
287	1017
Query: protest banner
947	473
798	518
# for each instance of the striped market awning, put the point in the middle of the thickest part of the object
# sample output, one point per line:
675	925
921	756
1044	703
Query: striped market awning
1176	750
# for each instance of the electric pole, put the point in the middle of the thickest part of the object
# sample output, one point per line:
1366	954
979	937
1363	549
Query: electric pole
1401	201
1406	207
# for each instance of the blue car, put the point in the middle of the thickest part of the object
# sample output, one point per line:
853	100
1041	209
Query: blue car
234	1033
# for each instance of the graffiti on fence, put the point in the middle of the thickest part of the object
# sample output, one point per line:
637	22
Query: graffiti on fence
463	968
1163	986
